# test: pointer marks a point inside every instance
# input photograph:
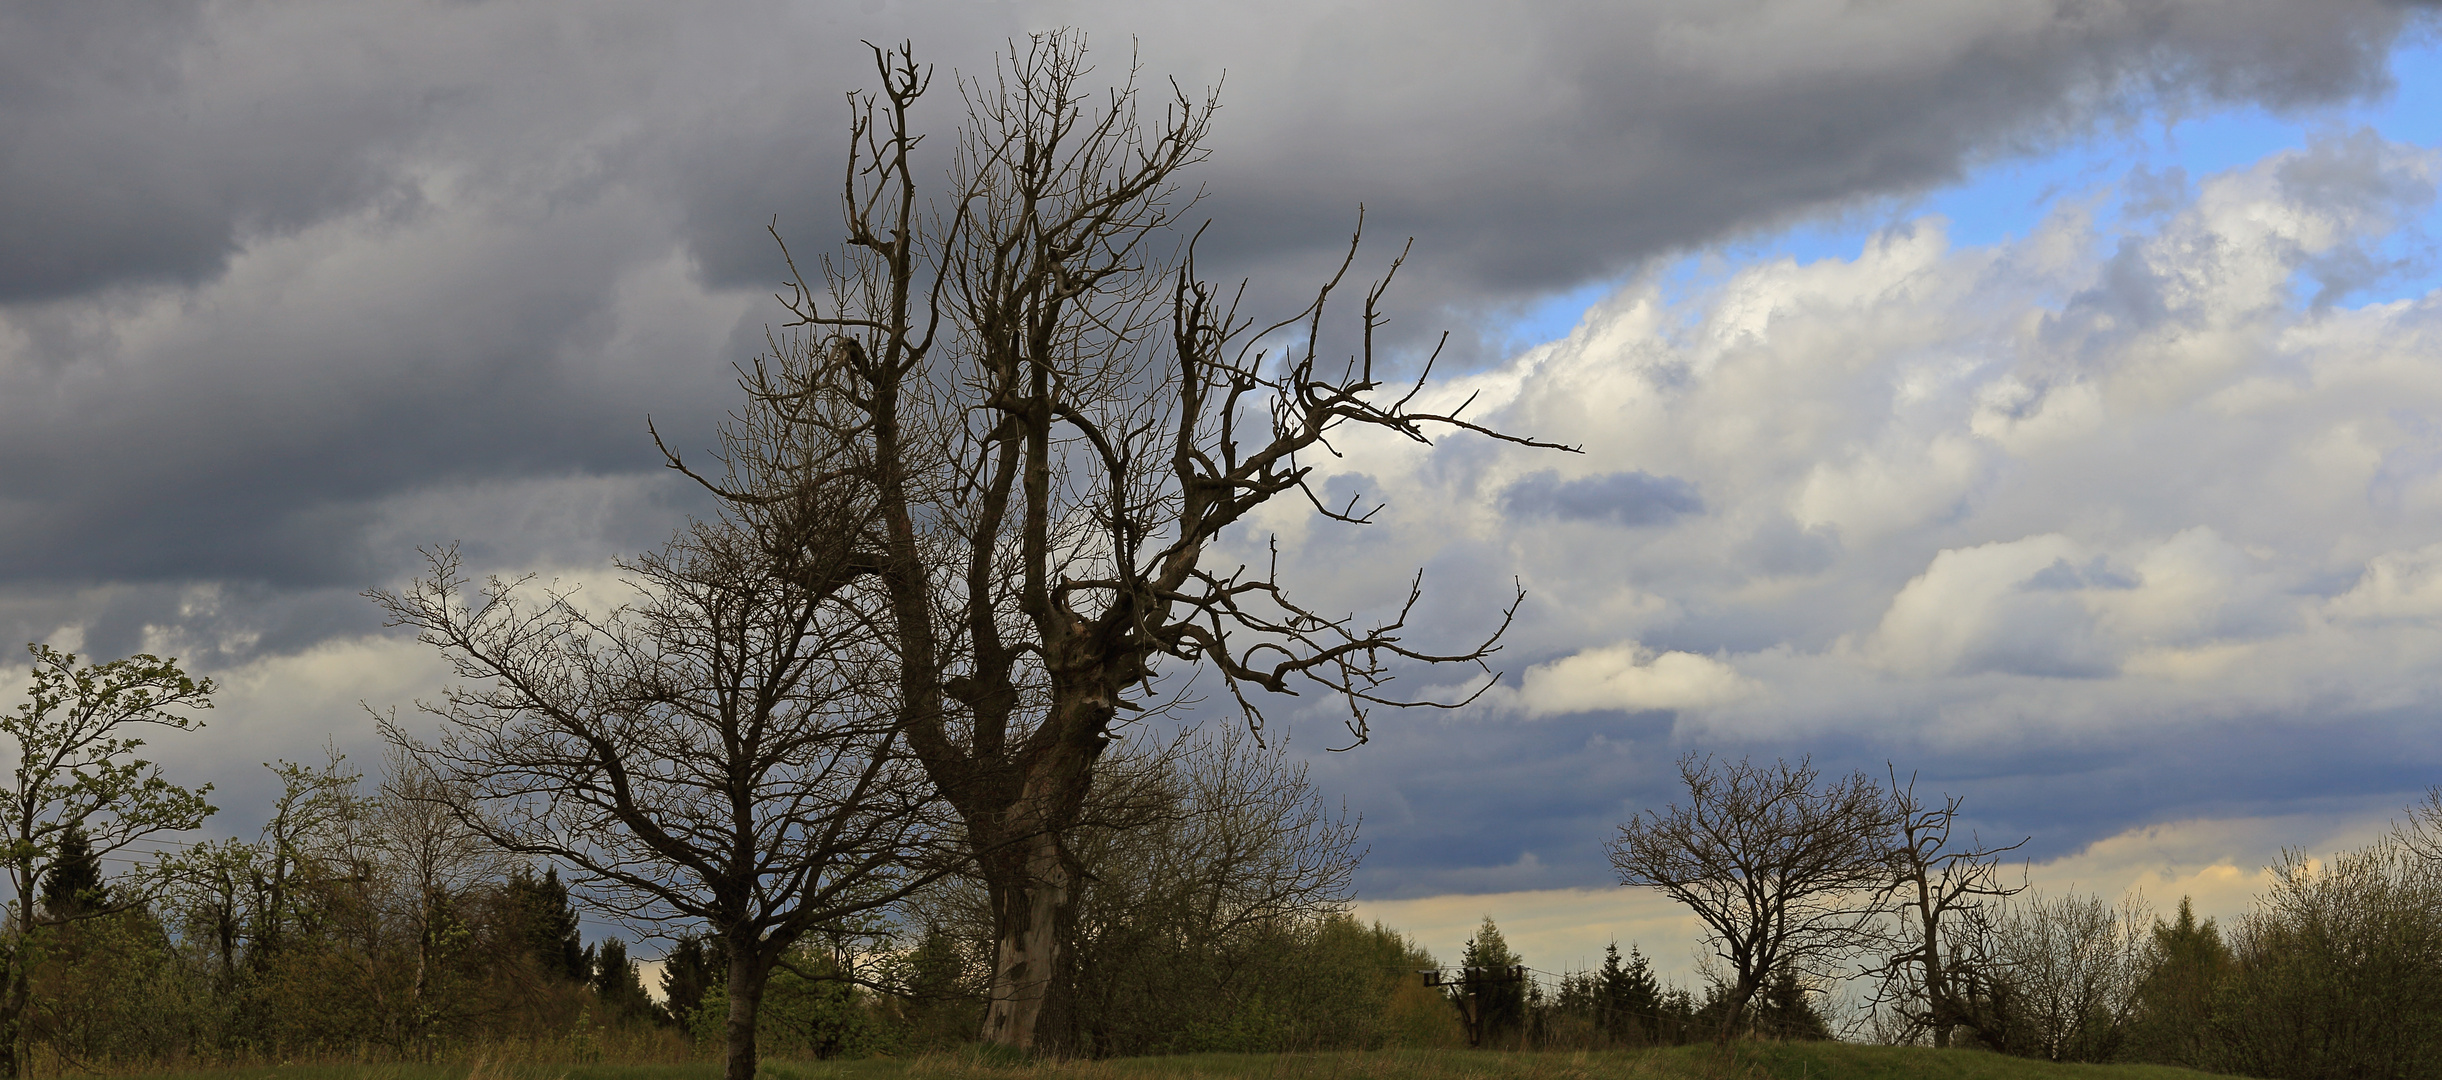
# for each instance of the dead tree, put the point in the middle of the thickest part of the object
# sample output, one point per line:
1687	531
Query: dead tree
1784	875
723	749
1061	423
1938	974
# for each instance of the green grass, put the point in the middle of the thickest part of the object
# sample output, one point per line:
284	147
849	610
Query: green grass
1750	1061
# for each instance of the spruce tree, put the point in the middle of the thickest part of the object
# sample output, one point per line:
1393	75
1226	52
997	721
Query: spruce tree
617	984
73	884
1786	1011
547	924
1488	964
1630	996
694	967
2175	1002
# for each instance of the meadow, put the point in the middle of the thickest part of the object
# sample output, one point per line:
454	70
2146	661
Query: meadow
1741	1061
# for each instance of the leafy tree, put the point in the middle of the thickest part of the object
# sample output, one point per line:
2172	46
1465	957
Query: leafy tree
2337	970
76	738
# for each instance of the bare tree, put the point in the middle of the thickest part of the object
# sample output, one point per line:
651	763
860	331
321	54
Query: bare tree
1786	875
2069	968
716	750
1060	427
1930	976
424	837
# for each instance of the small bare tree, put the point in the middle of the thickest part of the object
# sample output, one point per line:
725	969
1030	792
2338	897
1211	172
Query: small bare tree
1931	978
2069	968
1061	422
1786	875
716	751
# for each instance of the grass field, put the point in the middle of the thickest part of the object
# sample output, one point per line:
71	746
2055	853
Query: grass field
1755	1061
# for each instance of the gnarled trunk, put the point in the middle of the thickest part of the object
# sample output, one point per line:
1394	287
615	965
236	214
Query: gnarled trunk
1031	916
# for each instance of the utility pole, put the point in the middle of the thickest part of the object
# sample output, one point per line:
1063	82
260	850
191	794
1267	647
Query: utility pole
1472	982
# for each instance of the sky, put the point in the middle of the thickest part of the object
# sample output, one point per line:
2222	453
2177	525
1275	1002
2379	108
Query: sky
2039	399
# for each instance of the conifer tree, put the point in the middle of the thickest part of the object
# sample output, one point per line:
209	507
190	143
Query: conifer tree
1630	997
547	924
73	885
1488	963
617	984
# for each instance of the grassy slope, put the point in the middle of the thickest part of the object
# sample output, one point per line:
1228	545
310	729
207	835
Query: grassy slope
1791	1061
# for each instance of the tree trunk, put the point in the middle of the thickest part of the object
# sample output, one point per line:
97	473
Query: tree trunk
12	1013
746	979
1033	903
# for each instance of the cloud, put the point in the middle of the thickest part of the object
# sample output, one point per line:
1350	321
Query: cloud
268	267
2105	525
1630	678
1624	498
288	291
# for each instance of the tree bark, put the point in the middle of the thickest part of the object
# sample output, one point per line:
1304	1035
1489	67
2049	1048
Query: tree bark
746	979
1033	908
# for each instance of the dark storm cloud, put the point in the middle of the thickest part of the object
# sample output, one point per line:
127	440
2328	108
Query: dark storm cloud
131	152
483	178
1623	498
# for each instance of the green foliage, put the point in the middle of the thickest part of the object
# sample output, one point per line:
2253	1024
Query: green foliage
810	1010
1489	986
692	970
546	924
73	884
2174	1018
80	792
617	984
2338	971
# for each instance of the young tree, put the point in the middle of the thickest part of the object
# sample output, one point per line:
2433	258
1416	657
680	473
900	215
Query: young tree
2337	969
1058	426
714	751
547	924
1628	997
1928	976
76	736
1784	874
2174	1011
73	885
1492	989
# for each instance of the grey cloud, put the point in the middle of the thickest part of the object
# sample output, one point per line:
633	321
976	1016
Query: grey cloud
1780	547
290	289
2063	577
1525	150
1624	498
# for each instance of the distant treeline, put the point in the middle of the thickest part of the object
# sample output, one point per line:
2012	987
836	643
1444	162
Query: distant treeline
2335	972
364	923
369	920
